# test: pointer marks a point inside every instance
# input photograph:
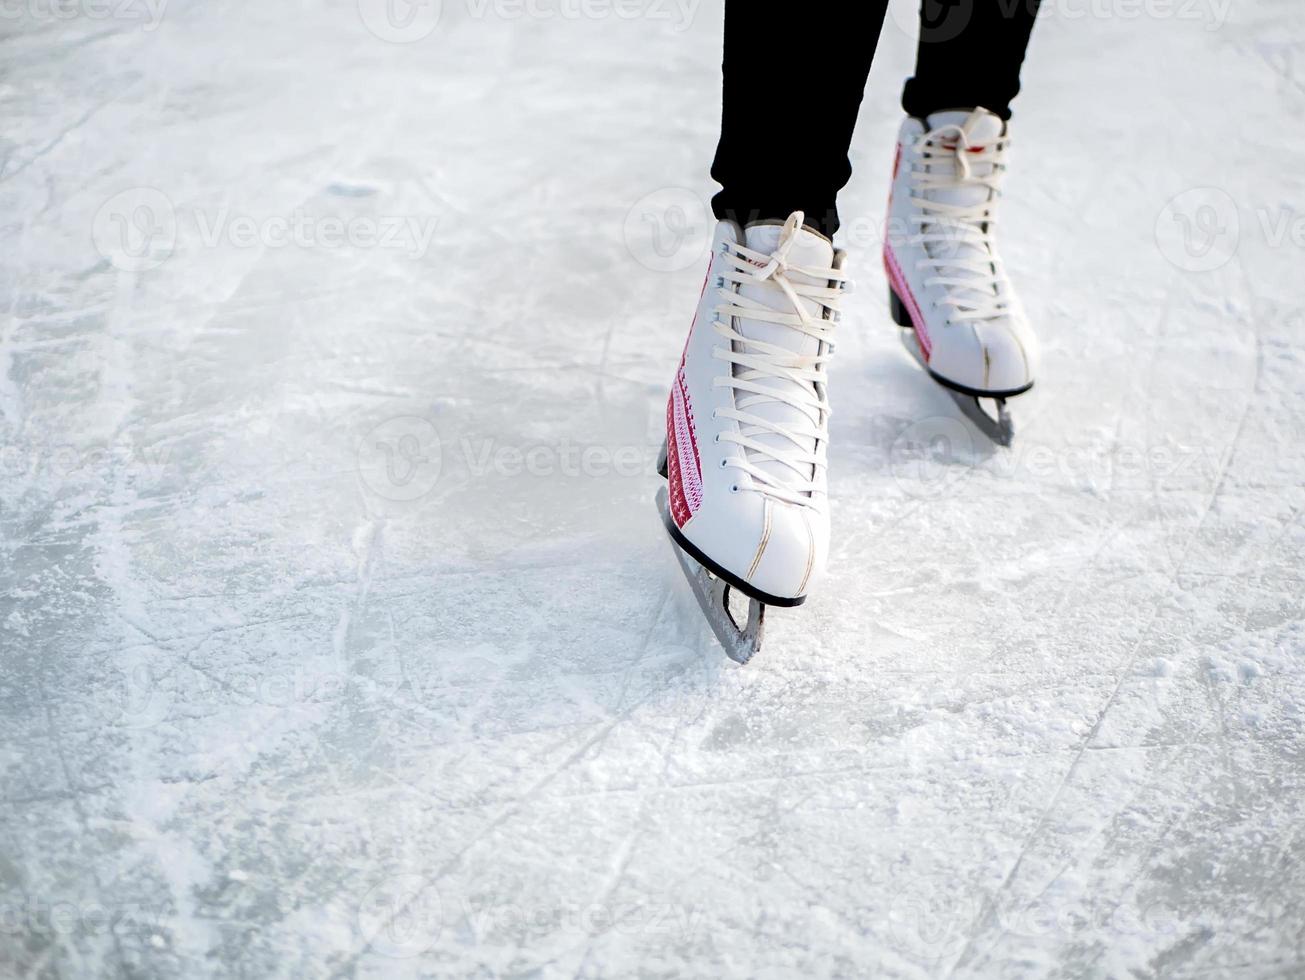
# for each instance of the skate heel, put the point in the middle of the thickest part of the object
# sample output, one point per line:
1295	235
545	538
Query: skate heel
898	309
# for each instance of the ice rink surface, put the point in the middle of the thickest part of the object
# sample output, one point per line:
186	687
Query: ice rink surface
340	636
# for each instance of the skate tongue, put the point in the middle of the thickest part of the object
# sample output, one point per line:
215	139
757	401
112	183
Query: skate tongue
981	128
809	250
978	129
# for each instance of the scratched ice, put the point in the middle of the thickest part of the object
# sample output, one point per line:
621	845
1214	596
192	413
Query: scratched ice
339	635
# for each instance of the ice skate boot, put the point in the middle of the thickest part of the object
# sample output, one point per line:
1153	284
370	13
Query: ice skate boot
745	499
946	280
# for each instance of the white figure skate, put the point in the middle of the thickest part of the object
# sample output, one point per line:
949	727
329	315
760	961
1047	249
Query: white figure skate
747	426
946	280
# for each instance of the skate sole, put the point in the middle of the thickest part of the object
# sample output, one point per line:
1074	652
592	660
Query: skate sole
751	591
734	582
902	317
1000	429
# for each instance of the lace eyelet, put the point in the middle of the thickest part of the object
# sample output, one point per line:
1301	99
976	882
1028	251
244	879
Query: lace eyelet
723	463
734	488
717	439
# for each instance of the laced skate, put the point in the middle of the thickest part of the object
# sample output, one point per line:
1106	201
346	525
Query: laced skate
946	279
747	426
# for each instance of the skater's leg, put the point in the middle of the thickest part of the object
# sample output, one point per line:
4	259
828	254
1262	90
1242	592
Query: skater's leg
793	78
746	498
970	53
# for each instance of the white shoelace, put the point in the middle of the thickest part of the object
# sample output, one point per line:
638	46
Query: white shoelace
755	362
968	268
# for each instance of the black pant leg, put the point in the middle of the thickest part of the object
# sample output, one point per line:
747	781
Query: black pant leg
793	77
970	53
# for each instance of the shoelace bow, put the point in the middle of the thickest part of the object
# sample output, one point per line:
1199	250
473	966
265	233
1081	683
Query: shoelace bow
756	362
968	266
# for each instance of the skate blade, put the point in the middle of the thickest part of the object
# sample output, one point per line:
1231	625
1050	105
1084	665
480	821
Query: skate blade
740	643
999	428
